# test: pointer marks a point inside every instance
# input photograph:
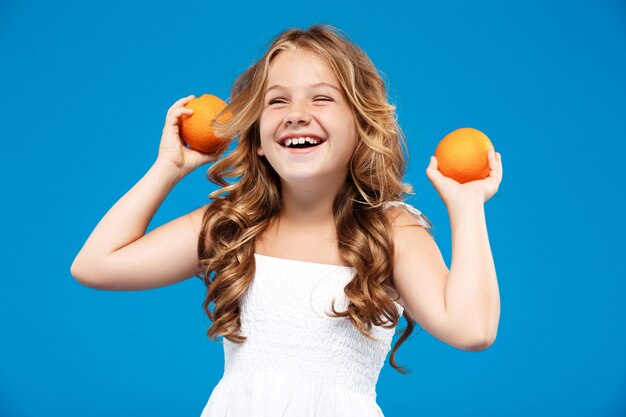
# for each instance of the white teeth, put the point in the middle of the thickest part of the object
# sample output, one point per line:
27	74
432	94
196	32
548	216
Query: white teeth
301	140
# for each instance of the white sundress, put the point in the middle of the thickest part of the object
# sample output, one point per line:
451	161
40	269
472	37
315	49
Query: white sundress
297	361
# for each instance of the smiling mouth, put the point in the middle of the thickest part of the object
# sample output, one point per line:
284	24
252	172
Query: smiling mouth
301	148
304	145
302	142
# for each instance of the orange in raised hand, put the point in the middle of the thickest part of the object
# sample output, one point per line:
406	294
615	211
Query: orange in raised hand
462	155
196	129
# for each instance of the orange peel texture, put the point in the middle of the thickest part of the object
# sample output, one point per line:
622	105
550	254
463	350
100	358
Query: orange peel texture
462	155
196	129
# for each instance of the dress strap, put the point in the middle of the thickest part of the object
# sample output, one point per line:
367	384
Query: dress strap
423	220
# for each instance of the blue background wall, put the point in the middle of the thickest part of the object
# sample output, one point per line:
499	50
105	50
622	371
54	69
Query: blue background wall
85	88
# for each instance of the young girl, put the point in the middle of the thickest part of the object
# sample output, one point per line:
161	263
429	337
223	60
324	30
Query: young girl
311	256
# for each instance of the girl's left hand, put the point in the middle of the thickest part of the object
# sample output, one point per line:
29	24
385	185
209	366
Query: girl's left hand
453	192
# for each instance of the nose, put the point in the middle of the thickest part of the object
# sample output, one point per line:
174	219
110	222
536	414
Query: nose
297	115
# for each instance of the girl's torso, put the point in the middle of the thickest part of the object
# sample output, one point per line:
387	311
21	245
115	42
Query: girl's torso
318	245
297	359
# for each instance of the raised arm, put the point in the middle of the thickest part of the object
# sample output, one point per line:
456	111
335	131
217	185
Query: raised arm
118	255
459	306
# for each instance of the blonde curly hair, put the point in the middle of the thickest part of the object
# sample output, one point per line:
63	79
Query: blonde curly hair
232	223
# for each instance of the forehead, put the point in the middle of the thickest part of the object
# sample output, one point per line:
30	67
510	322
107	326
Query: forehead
299	68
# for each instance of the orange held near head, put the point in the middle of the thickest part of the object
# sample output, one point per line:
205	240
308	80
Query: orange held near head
196	129
462	155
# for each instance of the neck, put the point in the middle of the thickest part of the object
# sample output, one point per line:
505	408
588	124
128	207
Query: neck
309	203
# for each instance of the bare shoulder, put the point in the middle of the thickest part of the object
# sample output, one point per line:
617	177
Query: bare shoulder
419	271
410	235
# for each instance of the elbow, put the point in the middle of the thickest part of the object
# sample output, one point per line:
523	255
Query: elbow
88	283
484	336
84	278
480	344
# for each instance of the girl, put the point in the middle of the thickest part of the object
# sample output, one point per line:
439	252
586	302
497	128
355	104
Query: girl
311	257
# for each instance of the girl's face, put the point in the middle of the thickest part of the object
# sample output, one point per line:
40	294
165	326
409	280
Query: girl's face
296	103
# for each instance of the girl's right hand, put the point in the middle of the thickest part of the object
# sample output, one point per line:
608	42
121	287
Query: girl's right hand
173	149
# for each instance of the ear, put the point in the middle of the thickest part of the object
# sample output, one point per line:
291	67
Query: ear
260	152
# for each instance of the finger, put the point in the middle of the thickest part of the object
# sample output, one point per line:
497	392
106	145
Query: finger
177	113
496	159
433	163
173	117
493	162
181	102
496	166
493	166
184	100
432	172
202	158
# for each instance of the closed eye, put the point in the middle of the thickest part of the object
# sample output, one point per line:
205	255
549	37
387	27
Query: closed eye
319	97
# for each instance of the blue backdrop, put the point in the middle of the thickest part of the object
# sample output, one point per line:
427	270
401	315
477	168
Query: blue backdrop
85	89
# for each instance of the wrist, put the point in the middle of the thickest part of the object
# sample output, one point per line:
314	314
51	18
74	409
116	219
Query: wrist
463	200
168	169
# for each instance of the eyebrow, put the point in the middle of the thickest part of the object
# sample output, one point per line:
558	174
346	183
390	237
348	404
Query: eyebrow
311	86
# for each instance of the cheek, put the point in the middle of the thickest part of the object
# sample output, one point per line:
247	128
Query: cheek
265	126
269	123
352	136
349	131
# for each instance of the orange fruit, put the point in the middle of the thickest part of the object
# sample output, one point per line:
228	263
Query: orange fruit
196	129
462	155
